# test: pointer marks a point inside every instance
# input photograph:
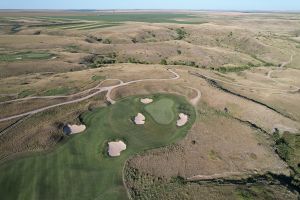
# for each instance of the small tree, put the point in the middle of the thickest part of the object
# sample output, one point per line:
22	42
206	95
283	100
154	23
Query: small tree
163	62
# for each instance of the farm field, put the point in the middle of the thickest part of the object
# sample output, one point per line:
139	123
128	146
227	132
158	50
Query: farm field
234	76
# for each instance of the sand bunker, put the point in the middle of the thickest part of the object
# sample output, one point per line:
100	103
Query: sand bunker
146	101
183	118
73	129
139	119
115	148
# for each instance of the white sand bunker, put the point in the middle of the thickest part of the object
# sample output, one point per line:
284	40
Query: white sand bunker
183	118
115	148
146	101
73	129
139	119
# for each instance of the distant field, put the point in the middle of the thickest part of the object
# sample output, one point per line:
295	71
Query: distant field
81	168
136	17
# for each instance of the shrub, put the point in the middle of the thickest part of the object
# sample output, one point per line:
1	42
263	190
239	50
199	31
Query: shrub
163	62
134	40
232	69
107	41
181	33
95	61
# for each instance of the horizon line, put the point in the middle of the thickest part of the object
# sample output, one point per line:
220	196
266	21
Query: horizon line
137	9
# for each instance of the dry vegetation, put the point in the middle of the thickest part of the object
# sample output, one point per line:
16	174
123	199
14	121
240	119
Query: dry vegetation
246	66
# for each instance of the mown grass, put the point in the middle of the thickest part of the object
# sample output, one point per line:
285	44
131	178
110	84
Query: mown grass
80	168
25	56
161	110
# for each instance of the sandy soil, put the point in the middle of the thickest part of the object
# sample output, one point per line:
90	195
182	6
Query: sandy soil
146	101
139	119
183	118
115	148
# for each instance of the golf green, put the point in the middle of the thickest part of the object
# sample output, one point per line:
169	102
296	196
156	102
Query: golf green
161	110
80	168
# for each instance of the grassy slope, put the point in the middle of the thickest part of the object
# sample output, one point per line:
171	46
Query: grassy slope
161	111
80	169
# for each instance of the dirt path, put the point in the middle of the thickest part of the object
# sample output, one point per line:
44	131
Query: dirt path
269	75
251	87
196	99
98	89
61	96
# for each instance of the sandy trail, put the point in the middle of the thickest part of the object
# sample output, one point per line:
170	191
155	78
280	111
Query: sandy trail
256	87
62	96
247	86
281	68
194	101
98	89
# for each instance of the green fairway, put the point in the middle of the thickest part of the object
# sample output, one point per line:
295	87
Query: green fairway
25	56
80	168
161	110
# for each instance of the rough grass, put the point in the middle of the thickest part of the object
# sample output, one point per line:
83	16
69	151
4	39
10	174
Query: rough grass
80	168
146	186
26	93
161	110
57	91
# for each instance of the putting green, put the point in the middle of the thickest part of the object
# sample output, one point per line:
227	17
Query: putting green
80	168
161	110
